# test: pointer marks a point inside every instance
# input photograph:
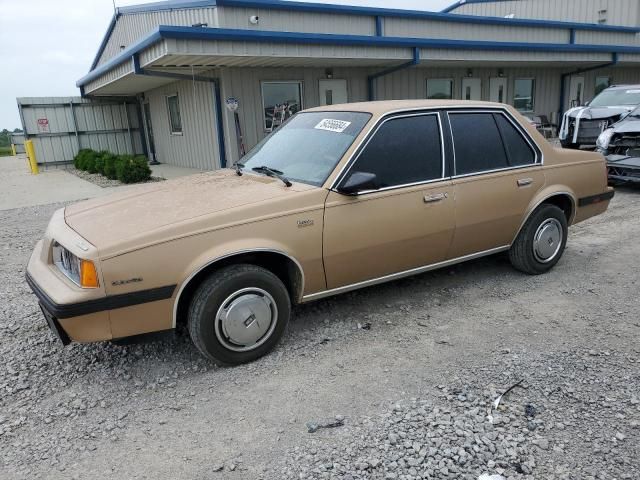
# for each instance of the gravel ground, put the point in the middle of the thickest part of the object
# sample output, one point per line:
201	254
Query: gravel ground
101	180
407	370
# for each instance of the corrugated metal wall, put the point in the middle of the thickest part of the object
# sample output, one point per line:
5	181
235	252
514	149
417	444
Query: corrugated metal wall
133	26
17	139
60	126
197	146
619	12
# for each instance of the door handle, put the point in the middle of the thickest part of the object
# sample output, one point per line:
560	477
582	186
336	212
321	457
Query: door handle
435	198
523	182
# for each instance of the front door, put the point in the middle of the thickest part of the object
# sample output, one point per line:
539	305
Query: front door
406	220
497	174
576	91
471	89
333	91
498	89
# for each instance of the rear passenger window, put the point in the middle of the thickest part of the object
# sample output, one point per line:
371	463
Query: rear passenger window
519	152
477	143
404	150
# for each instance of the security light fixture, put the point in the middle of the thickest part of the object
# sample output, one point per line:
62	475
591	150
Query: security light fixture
200	25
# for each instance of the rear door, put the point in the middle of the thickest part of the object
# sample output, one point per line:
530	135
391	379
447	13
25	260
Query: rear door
497	172
405	223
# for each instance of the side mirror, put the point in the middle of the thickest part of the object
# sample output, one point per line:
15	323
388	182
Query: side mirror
359	181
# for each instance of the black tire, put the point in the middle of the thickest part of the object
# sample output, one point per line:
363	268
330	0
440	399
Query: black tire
218	288
522	255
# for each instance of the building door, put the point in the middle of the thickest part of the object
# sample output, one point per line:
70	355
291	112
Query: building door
149	130
576	91
333	92
498	89
471	89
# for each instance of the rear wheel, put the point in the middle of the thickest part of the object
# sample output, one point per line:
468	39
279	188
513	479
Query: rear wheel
238	314
541	241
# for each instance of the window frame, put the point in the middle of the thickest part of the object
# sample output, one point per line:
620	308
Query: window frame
539	158
267	82
171	130
343	174
533	94
449	79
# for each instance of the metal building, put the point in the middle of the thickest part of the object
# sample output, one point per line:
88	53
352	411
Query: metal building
183	60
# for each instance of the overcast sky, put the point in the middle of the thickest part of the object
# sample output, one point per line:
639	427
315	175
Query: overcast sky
46	45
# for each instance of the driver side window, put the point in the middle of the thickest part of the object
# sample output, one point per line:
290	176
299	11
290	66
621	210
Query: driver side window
404	150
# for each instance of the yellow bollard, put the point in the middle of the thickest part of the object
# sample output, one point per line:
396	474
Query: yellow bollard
13	150
31	155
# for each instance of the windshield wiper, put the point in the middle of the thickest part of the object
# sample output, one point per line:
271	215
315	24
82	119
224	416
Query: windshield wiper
272	172
239	166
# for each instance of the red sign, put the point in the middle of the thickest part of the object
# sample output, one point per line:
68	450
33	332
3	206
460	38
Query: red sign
43	125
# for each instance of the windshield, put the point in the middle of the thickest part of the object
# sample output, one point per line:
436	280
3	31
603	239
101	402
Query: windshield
619	96
307	147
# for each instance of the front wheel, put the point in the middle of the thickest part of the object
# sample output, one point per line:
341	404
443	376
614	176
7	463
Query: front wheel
238	314
541	241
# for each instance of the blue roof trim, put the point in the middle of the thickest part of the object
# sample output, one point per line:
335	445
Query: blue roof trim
105	39
460	3
395	12
210	34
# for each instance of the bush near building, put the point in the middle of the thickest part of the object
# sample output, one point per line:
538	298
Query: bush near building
125	168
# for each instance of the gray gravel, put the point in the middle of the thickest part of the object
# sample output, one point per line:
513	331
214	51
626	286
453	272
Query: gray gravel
101	180
414	389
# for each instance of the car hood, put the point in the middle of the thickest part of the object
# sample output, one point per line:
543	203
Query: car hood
150	213
628	125
623	161
596	113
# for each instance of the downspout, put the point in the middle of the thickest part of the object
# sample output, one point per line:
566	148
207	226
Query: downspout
564	76
371	78
137	70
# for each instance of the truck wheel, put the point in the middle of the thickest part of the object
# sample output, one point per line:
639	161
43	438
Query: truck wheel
541	241
238	314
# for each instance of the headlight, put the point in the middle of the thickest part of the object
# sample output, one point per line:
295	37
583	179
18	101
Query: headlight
80	271
605	138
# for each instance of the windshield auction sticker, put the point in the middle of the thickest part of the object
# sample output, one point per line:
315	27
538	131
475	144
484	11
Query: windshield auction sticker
332	125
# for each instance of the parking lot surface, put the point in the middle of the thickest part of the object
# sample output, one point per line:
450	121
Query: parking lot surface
410	368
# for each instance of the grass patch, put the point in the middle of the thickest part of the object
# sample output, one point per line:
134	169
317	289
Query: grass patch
5	151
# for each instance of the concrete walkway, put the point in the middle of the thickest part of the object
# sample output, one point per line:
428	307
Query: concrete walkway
19	188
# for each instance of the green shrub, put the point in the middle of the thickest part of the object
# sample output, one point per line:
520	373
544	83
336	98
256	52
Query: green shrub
79	161
90	162
109	168
131	169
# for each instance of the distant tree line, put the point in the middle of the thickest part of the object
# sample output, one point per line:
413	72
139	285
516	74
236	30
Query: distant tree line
5	136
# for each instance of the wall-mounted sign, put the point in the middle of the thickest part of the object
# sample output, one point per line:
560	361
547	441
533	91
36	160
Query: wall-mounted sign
43	125
232	104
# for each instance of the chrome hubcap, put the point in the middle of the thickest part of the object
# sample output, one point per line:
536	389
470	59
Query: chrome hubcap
246	319
547	240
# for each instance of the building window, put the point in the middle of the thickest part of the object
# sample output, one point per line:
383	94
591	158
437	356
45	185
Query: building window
175	122
602	83
280	100
440	88
524	94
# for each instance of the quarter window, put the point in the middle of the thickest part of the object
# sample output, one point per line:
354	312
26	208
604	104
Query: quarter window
440	88
477	143
518	150
524	94
280	101
175	122
403	150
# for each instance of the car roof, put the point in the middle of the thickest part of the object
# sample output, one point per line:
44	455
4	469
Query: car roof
386	106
